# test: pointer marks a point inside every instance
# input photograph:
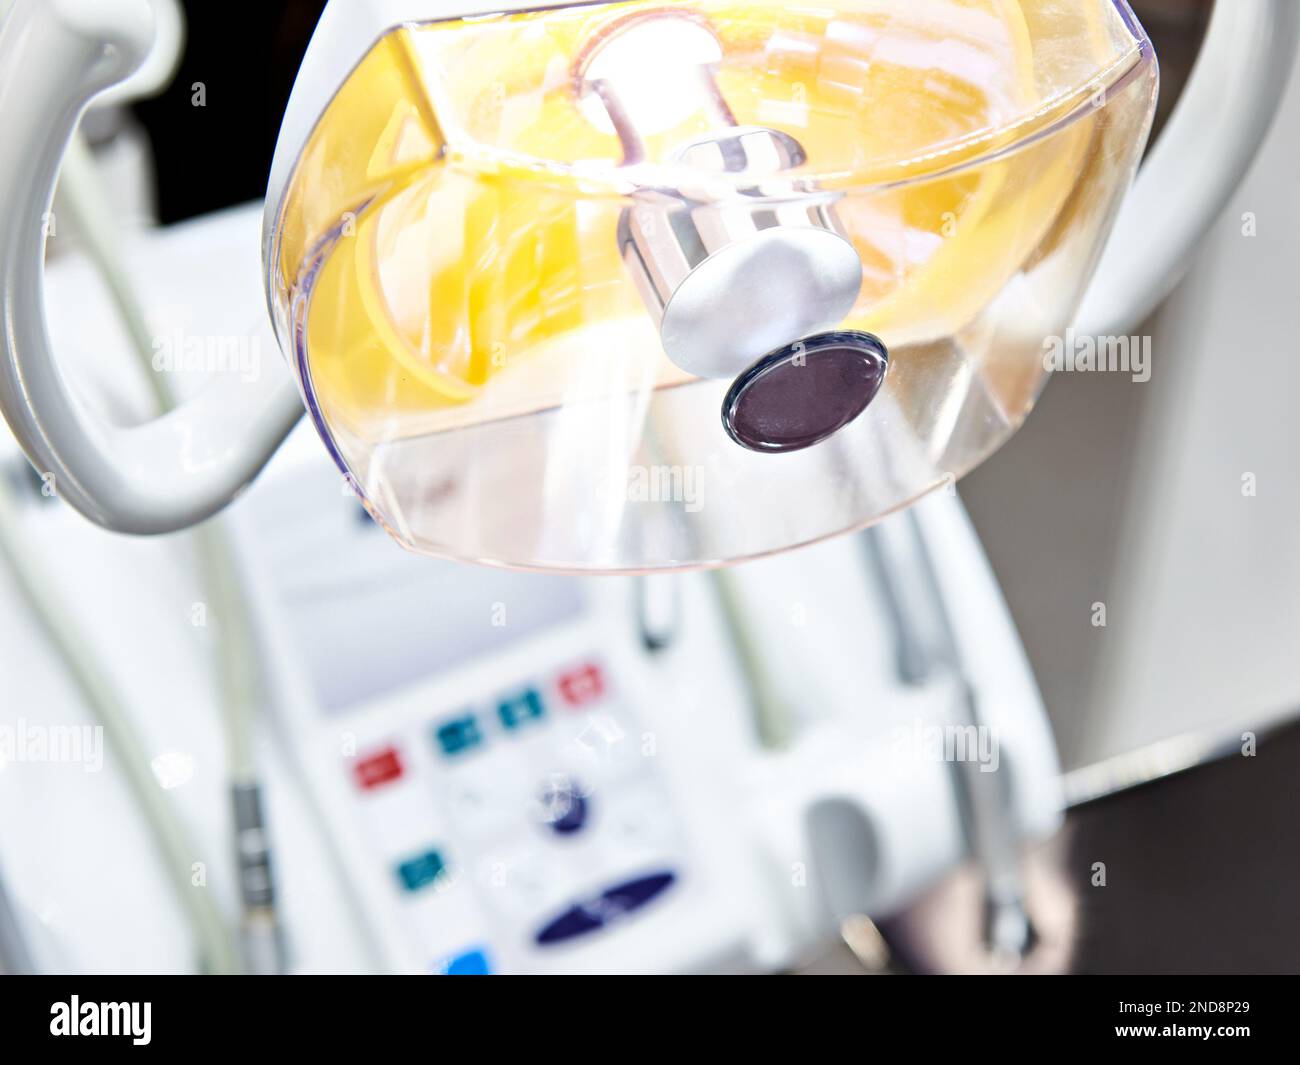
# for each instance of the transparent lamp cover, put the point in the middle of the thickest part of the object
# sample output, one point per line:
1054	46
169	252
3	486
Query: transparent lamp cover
636	286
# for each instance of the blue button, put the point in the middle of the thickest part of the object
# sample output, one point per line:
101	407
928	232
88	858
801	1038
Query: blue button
471	963
572	923
613	905
631	896
564	807
459	736
418	873
524	709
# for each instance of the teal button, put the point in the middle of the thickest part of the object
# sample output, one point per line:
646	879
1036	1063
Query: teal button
522	710
460	736
418	873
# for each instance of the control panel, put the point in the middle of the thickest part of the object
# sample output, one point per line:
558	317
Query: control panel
517	823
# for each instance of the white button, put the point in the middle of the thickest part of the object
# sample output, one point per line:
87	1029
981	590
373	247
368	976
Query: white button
482	812
488	796
525	883
636	825
598	748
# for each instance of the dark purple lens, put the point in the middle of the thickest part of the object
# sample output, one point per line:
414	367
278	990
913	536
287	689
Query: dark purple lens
802	394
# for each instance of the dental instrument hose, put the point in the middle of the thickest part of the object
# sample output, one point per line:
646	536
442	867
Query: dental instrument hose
80	195
218	952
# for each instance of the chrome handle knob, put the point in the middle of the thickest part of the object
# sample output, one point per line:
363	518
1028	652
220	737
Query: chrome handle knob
733	272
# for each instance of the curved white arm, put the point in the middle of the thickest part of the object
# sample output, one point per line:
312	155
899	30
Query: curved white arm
157	71
55	56
1200	160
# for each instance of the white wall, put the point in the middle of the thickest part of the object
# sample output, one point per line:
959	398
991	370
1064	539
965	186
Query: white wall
1131	494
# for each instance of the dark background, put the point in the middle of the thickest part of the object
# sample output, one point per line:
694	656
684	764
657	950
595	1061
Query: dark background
246	53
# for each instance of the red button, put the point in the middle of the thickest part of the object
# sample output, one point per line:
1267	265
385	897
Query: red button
379	769
582	686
